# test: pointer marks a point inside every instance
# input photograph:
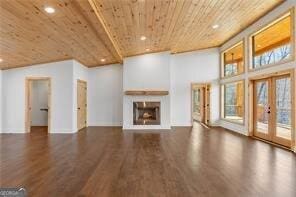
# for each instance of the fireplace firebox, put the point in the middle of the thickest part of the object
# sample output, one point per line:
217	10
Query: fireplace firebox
146	113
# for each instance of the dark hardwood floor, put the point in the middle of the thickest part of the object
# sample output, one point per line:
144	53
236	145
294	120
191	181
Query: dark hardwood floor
104	161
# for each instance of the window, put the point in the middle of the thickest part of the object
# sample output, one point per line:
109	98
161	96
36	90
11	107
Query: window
272	44
233	104
233	60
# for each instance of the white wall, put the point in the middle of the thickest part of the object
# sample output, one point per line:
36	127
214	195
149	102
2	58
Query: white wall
105	96
80	72
39	100
149	71
174	73
13	102
106	85
152	71
193	67
244	35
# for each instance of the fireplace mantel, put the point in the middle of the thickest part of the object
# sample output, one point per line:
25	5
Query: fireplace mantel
146	92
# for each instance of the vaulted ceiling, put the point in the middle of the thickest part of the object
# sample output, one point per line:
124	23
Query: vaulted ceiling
99	32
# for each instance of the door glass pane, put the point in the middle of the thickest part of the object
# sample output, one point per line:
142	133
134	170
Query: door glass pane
283	108
196	104
262	107
197	101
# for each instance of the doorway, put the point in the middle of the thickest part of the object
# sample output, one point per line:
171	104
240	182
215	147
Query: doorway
273	109
81	104
200	102
38	91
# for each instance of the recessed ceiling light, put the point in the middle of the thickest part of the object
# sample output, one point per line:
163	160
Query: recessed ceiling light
215	26
258	45
143	38
103	60
49	10
147	49
1	60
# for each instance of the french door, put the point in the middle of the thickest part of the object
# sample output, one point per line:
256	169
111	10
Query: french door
273	109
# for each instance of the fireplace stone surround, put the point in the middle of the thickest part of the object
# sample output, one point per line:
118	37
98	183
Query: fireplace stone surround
128	112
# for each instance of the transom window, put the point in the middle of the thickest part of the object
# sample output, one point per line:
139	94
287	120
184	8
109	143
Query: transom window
273	43
233	60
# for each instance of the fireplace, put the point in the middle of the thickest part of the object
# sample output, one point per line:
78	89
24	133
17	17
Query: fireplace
146	113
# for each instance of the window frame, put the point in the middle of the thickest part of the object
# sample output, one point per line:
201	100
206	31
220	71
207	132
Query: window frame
222	56
263	28
222	99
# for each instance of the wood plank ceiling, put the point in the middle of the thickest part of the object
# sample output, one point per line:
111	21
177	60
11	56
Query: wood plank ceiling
178	25
29	35
92	30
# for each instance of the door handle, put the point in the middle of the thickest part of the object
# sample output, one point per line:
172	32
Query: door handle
78	108
268	112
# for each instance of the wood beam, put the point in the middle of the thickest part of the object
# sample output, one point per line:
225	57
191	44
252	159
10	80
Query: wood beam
146	92
102	21
116	55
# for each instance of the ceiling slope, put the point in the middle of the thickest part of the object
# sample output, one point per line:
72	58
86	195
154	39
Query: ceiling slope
178	25
29	35
100	32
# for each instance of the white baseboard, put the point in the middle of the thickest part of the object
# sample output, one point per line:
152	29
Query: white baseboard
63	131
214	124
16	131
145	127
234	127
53	130
117	124
181	125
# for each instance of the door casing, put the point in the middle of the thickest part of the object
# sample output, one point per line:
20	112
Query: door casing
28	92
205	101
